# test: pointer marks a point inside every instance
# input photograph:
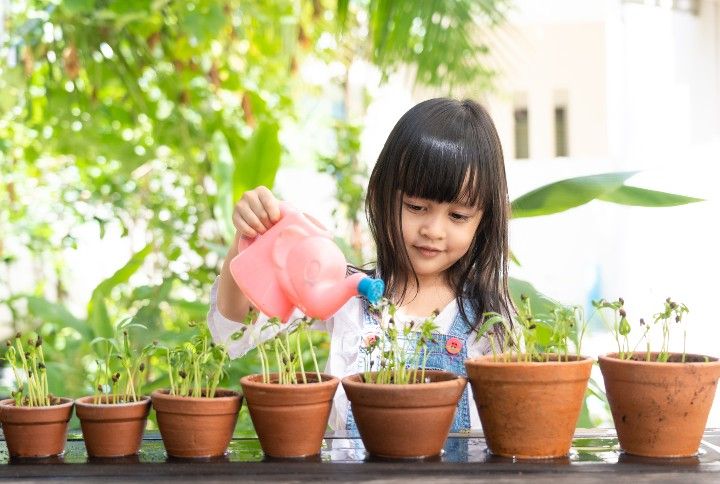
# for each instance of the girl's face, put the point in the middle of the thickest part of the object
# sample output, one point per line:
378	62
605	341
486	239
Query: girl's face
436	235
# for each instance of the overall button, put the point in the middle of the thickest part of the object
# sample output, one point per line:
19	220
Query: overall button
453	346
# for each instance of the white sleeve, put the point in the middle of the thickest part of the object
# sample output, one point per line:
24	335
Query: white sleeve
222	329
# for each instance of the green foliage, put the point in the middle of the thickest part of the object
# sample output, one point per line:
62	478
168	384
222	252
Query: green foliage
442	36
350	175
143	118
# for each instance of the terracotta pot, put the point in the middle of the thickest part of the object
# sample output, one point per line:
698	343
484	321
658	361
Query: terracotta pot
112	430
290	420
660	409
406	420
35	431
529	410
196	427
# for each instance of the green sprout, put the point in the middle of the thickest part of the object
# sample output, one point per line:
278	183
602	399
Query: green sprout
120	369
28	366
563	328
287	350
400	351
672	311
195	367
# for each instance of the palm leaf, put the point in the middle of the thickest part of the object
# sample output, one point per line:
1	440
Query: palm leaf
573	192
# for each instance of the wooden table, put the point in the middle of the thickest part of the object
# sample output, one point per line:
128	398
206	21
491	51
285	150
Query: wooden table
595	457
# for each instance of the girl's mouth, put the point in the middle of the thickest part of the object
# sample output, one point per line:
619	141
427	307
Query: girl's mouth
427	251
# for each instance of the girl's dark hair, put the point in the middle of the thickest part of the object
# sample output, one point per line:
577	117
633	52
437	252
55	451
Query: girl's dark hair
447	151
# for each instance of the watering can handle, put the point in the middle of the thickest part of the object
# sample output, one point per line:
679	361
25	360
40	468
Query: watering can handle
244	242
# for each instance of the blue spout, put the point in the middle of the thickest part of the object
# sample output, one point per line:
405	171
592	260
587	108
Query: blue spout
372	289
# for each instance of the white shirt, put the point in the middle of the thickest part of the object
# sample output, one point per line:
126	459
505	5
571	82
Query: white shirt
346	332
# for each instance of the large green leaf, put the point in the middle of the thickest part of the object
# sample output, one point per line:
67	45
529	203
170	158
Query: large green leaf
573	192
98	317
239	167
342	12
258	162
643	197
541	304
52	312
566	194
194	309
222	167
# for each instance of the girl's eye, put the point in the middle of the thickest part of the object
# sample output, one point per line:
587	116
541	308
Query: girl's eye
459	217
412	207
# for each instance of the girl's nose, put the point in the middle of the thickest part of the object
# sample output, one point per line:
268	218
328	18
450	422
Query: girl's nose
432	228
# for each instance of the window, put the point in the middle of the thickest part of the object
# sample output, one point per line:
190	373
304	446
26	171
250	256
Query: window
561	140
522	150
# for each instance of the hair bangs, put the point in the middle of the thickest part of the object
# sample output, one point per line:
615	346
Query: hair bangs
441	170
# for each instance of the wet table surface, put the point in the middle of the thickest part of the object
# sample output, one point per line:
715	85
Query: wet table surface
595	454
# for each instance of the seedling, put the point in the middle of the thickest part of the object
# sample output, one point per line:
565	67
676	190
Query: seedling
120	369
286	349
28	366
621	328
399	353
564	328
195	367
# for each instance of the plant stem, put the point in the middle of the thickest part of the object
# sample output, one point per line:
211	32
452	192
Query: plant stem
424	364
170	374
312	352
290	362
301	329
278	360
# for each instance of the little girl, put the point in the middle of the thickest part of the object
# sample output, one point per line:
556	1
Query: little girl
438	209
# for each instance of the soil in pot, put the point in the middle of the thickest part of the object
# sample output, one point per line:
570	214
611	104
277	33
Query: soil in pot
660	409
112	430
529	410
290	420
196	427
36	431
406	421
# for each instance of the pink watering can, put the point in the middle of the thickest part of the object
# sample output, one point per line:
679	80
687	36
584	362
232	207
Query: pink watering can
297	264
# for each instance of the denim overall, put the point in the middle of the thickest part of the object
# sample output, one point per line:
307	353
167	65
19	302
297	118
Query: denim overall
446	352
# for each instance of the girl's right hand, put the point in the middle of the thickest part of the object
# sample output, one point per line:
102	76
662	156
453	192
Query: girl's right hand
256	212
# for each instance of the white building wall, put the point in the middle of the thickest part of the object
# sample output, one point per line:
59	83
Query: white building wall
546	70
670	64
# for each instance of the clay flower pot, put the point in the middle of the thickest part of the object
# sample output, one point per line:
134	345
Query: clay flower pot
290	420
660	409
529	410
406	420
196	427
35	431
112	430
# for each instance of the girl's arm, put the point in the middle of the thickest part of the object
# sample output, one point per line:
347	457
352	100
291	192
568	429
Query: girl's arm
231	302
254	213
